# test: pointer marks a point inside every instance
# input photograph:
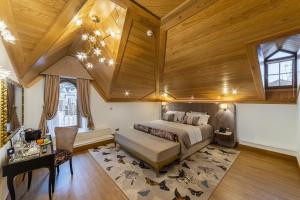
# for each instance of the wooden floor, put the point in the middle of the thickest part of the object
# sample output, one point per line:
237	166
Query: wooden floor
254	176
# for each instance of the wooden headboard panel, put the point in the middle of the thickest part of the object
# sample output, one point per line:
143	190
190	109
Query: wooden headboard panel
218	117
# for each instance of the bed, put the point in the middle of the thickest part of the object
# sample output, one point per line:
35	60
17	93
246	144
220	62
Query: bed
161	142
157	150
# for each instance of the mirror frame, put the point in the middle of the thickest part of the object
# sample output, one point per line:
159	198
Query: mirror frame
3	112
4	135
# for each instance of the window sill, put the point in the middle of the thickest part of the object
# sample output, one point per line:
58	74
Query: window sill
90	137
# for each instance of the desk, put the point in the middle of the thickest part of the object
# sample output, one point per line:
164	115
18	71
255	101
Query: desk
44	160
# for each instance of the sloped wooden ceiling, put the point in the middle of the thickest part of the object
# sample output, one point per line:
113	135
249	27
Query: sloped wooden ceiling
212	46
160	7
198	48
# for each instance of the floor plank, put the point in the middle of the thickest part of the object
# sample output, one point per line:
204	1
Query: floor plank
254	175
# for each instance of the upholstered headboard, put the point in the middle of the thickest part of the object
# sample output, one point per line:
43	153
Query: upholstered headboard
218	116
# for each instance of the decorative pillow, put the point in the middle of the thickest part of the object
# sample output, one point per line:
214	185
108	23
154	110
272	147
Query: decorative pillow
198	114
191	120
178	115
168	117
204	119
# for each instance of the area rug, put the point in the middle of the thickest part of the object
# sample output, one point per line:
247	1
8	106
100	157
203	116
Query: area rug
193	178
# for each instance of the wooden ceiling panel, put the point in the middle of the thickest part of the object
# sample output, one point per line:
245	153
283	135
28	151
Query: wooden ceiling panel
137	68
33	18
158	7
209	49
198	47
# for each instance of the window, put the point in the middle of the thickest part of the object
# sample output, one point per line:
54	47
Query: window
67	112
280	68
67	106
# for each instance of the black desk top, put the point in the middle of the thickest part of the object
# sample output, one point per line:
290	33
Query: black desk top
30	161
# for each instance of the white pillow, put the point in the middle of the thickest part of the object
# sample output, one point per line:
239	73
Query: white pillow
178	115
203	119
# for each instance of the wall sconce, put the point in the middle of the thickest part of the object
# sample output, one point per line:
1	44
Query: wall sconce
223	106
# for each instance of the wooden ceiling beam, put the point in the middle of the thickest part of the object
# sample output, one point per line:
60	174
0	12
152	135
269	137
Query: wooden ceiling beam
255	70
15	51
72	8
122	47
161	51
184	11
137	9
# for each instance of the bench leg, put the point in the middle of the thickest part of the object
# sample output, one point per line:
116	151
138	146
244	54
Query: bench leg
156	172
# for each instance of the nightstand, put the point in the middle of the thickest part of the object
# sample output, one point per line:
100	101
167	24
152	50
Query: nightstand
225	139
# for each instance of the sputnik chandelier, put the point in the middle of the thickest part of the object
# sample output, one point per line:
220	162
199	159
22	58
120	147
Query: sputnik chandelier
96	40
6	34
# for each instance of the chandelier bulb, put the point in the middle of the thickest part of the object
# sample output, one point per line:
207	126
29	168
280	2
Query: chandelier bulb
89	65
102	60
111	62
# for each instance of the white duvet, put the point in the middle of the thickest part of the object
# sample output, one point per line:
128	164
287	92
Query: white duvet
194	132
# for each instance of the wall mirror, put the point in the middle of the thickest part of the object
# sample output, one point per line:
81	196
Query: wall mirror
11	109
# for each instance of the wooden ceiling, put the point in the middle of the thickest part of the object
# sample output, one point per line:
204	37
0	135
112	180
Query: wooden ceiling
198	47
160	8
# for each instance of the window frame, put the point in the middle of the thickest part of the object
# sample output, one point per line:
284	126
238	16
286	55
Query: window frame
73	82
292	58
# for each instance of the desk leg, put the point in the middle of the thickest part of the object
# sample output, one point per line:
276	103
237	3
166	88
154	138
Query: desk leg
49	188
52	178
29	180
10	185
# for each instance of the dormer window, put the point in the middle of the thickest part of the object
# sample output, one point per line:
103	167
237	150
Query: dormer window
280	69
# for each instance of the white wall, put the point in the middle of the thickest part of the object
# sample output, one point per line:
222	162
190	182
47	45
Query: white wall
270	126
5	62
298	131
105	115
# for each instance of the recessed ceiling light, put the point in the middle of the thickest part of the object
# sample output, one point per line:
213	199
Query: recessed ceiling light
225	90
78	22
126	93
111	62
149	33
234	91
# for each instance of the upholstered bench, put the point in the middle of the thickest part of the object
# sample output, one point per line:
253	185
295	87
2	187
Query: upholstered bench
155	151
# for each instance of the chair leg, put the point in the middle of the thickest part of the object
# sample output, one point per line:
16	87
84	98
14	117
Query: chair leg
71	166
24	174
57	169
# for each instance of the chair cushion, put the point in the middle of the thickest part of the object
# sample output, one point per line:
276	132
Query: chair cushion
62	156
154	148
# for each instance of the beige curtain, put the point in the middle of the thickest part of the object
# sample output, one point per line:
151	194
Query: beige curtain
51	97
83	100
14	121
12	116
